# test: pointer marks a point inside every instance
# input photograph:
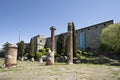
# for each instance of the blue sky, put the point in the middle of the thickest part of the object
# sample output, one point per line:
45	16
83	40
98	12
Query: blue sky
33	17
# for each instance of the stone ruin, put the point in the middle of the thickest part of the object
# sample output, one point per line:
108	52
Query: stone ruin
70	44
11	56
50	56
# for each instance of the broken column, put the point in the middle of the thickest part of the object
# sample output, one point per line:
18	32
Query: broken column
50	56
70	44
11	56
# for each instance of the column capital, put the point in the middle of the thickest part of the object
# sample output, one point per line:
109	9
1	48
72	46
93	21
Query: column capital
52	28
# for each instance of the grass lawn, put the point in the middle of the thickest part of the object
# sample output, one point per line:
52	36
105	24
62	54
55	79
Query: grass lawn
28	70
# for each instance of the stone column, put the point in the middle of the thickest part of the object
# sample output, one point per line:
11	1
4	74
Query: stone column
52	38
11	56
70	44
50	56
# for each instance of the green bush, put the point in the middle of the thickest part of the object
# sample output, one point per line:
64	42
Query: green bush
32	55
106	48
39	54
47	49
110	36
88	54
44	51
79	53
82	54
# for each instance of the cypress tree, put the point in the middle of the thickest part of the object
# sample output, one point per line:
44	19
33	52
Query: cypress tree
74	41
66	46
31	47
61	45
5	47
21	49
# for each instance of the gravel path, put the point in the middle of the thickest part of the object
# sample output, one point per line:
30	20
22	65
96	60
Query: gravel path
28	70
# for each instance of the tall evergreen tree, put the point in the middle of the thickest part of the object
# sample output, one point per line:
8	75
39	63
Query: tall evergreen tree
74	41
21	49
66	46
27	48
61	45
31	47
5	47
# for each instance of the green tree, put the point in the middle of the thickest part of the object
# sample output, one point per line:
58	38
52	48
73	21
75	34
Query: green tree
61	45
5	47
66	46
110	36
21	49
74	41
27	48
39	54
31	48
44	51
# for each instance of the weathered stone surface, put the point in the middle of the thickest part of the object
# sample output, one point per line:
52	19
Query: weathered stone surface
52	38
50	56
11	56
70	44
48	60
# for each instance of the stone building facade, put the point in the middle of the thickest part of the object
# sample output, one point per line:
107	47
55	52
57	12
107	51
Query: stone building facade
39	42
88	37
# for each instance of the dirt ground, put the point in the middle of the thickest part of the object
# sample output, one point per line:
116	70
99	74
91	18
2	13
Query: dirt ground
28	70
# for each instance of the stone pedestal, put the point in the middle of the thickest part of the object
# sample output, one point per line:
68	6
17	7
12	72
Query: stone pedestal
50	56
70	44
11	56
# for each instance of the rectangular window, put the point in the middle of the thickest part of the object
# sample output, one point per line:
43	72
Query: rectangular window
40	40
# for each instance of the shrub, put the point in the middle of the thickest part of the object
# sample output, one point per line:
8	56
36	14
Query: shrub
110	36
44	51
82	54
32	55
105	48
39	54
47	49
88	54
79	53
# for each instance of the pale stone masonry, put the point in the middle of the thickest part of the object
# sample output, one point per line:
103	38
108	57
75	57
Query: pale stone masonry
11	56
88	37
39	42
